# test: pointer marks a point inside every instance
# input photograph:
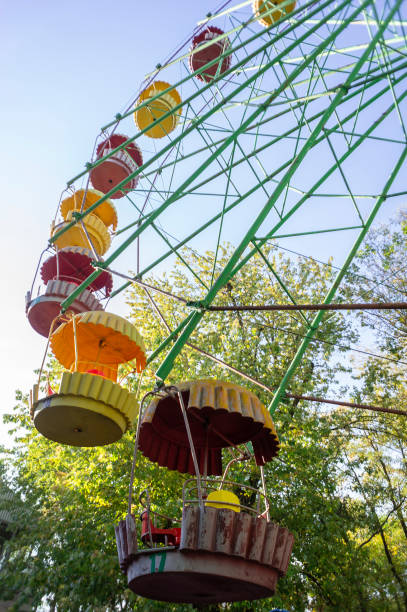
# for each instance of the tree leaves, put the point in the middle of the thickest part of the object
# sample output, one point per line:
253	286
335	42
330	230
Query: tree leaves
328	484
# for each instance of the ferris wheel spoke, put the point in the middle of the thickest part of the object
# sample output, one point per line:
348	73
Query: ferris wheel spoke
329	296
281	121
280	282
228	270
358	142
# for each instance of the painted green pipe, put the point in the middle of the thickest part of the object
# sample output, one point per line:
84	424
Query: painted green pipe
226	274
203	166
168	339
267	179
328	298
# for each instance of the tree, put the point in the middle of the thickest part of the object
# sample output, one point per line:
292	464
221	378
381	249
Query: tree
377	443
65	553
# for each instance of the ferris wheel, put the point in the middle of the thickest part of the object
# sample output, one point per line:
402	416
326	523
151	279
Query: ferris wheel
273	121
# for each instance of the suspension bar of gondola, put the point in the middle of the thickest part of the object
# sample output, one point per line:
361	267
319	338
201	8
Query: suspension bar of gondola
338	306
324	400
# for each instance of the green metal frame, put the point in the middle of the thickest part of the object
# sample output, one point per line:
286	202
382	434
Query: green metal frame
375	69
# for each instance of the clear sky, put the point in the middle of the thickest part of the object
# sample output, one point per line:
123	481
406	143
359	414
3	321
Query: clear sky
66	68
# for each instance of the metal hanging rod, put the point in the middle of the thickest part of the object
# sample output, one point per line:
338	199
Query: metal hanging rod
322	400
356	306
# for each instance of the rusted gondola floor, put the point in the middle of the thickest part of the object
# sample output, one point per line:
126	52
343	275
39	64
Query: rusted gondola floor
180	577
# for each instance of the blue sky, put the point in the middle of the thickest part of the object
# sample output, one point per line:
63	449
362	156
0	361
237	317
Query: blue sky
66	69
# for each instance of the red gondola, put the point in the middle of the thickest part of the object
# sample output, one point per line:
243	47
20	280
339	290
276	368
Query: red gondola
209	53
116	168
74	265
43	310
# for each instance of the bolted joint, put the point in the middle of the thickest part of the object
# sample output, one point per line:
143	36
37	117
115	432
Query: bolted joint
98	264
159	384
198	305
345	88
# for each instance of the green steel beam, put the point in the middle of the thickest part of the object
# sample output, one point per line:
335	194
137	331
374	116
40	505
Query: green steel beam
329	296
203	166
321	231
257	186
168	339
226	274
215	259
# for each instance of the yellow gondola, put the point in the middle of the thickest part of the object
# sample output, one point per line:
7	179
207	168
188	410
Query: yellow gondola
260	8
82	199
78	236
149	115
88	410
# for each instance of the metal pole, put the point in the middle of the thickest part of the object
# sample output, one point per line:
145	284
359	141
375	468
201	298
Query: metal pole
218	106
322	400
192	447
324	306
136	443
224	276
318	318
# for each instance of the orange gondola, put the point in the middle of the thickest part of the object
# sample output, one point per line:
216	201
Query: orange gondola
90	408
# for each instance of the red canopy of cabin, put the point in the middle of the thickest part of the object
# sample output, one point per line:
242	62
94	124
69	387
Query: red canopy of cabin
74	264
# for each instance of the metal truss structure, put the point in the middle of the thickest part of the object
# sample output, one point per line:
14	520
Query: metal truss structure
303	135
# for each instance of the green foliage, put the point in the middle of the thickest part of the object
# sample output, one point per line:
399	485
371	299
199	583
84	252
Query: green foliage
328	485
